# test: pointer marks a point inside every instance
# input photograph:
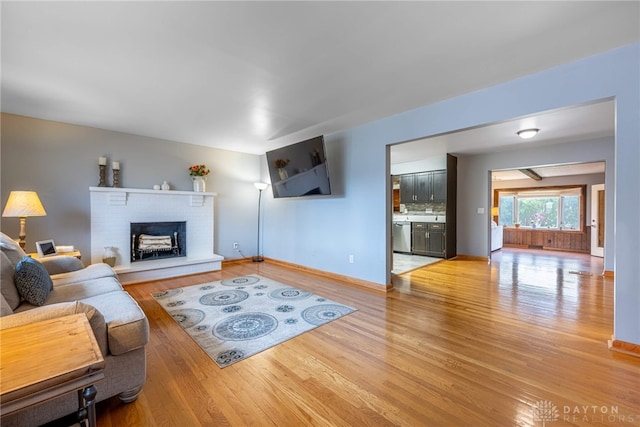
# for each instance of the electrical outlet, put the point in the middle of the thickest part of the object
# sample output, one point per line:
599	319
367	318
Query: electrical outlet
351	259
235	245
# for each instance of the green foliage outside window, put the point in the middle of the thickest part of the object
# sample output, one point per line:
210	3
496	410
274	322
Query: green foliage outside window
506	212
539	212
545	211
571	212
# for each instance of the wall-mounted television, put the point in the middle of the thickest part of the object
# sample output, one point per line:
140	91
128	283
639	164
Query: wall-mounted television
299	169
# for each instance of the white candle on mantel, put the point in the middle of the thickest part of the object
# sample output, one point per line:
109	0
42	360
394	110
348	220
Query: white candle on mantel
115	165
102	161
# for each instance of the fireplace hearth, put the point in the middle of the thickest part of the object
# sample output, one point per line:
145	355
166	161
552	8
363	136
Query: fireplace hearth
158	240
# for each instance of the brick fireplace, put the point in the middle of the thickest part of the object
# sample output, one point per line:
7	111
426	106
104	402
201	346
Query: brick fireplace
113	210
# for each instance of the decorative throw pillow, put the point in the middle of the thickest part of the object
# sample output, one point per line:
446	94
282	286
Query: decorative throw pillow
33	281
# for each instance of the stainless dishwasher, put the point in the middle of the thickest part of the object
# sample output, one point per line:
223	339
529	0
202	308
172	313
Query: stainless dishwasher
401	236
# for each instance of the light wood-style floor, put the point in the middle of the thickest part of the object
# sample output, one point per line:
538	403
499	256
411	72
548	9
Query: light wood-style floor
457	343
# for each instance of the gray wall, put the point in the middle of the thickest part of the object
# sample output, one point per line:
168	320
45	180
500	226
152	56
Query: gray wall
60	162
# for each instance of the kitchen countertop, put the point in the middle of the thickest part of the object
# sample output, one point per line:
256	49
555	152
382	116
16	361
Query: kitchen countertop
419	218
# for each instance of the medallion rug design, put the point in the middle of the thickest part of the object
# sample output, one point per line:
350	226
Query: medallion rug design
233	319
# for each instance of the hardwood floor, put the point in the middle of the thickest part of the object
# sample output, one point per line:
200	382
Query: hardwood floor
457	343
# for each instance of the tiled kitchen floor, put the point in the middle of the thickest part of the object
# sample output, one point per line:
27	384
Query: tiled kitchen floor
404	262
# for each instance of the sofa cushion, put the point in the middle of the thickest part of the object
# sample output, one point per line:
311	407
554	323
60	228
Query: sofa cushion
93	271
11	249
127	325
5	308
7	284
83	290
58	264
77	291
32	281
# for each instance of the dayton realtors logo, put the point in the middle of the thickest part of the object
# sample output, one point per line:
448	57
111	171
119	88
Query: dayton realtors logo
545	411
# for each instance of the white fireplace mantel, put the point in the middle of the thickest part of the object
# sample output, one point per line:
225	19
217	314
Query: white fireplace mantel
114	209
118	196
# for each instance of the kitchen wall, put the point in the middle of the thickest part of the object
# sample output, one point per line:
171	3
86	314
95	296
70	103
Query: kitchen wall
422	208
60	162
429	164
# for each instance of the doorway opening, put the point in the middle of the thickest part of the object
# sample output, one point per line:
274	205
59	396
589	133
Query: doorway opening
548	208
496	147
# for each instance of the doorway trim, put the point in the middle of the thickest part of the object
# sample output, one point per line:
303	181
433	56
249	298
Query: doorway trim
598	206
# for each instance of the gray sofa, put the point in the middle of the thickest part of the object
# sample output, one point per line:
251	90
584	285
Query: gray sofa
119	325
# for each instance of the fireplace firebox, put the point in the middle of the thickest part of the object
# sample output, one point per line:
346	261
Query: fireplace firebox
157	240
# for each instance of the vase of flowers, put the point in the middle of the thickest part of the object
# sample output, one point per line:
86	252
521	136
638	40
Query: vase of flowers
198	175
281	164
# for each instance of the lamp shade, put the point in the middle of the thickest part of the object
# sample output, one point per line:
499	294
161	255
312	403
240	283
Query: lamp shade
260	185
22	204
494	211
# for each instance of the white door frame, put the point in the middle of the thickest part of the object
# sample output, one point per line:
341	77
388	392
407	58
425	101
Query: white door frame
597	223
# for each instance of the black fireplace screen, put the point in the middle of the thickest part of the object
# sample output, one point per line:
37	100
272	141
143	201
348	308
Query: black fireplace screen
156	240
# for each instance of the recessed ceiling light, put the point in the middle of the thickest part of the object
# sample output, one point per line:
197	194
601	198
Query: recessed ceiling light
527	133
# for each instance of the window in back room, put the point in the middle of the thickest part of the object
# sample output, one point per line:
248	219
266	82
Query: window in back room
559	208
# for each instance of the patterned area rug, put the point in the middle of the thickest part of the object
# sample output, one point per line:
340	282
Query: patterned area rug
236	318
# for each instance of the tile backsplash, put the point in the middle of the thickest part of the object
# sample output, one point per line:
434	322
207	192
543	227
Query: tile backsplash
421	208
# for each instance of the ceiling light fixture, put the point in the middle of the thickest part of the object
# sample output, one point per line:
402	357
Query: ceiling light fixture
527	133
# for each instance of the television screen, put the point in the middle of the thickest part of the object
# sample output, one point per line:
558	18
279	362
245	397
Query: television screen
299	169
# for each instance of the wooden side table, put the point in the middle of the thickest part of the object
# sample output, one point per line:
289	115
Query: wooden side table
44	360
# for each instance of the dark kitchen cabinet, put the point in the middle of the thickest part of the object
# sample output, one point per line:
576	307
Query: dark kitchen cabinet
438	186
407	188
450	246
435	240
419	237
432	188
423	187
428	239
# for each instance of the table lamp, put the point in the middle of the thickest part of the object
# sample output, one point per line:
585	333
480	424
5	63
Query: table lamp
23	204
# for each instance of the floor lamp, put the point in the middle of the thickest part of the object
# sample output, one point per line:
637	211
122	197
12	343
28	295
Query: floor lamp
260	186
23	204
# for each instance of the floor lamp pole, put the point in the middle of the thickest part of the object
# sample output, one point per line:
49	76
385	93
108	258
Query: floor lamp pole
258	257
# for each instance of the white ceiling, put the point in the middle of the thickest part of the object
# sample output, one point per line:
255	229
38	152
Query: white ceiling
551	171
253	76
590	121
